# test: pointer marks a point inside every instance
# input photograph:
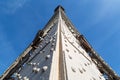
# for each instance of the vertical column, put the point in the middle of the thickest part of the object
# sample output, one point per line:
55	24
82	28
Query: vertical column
54	73
62	74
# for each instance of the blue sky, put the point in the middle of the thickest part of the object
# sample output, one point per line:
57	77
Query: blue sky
97	20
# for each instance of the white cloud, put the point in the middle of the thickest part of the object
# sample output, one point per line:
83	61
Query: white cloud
10	6
105	8
109	7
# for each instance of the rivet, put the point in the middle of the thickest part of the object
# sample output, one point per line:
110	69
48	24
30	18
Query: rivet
53	44
53	40
45	68
73	69
48	56
38	63
15	74
46	42
34	64
40	46
41	38
41	52
67	50
35	69
66	45
38	69
19	77
80	71
85	64
74	51
70	57
31	63
25	78
52	49
84	70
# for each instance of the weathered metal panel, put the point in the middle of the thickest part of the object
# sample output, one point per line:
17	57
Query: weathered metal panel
79	65
59	53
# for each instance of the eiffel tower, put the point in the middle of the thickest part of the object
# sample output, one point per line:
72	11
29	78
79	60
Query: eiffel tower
59	52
